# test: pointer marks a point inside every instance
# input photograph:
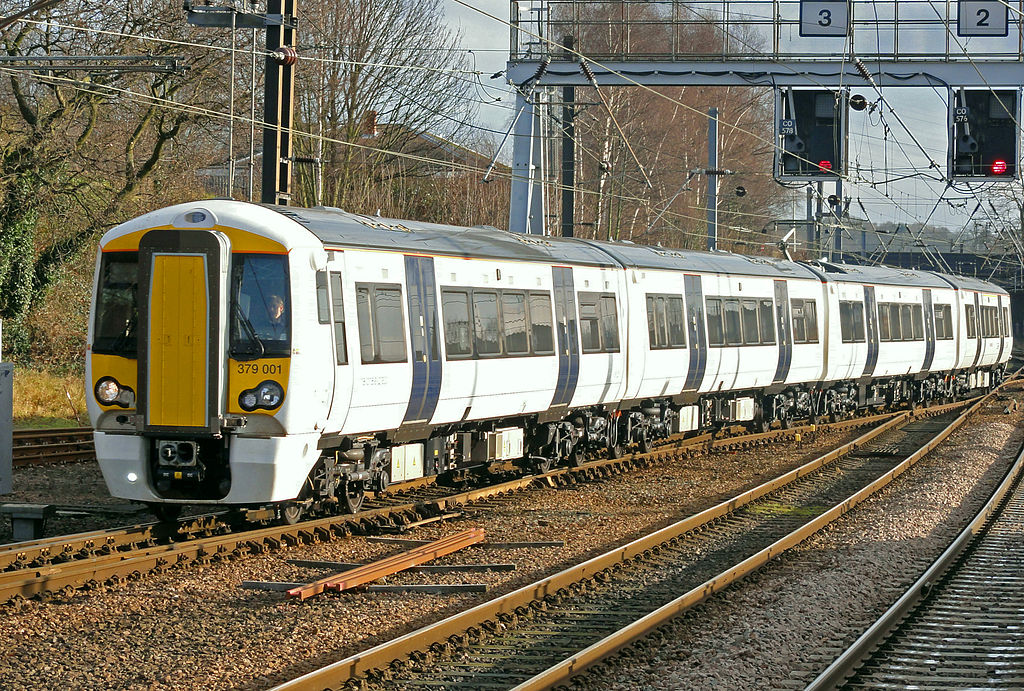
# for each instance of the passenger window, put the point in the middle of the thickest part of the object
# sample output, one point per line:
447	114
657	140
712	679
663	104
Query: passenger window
846	321
381	323
716	334
485	316
390	323
767	320
366	350
858	322
733	331
338	309
883	322
676	323
811	318
323	307
751	331
796	310
590	323
609	324
972	326
540	324
1006	322
917	313
458	342
513	316
943	322
895	330
653	325
906	323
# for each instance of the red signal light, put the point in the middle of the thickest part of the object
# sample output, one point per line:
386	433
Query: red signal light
999	167
826	165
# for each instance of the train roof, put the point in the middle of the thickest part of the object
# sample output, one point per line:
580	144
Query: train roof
336	227
888	275
672	259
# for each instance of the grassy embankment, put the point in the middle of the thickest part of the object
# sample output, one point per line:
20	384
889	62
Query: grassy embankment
48	399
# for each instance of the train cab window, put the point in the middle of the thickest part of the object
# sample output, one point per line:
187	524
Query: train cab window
972	322
716	332
338	314
917	314
458	340
260	306
943	322
751	332
767	319
541	332
381	323
851	321
513	318
805	320
117	311
731	314
485	322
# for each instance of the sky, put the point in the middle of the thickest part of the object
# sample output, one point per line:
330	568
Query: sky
922	110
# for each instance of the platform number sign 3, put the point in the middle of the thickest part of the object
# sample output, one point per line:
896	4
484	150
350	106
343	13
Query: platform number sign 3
824	18
982	18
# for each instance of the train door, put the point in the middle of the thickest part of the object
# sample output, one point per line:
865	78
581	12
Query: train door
568	338
696	331
424	330
871	326
785	333
978	329
183	281
1004	328
929	330
334	312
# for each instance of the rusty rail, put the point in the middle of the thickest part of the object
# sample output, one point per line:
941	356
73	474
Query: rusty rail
361	575
44	446
503	608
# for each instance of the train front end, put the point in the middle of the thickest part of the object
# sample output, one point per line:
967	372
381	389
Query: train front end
189	358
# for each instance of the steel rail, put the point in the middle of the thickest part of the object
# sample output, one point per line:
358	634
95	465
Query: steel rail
847	663
382	656
44	446
63	563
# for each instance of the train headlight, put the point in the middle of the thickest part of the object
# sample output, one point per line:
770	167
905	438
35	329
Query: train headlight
107	390
267	395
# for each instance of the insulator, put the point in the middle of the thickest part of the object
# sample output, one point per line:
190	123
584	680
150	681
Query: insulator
286	55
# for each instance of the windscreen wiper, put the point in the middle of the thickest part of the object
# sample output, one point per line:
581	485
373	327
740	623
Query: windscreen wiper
251	332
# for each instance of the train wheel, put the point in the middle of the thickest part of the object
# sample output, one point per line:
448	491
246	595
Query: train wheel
615	451
166	513
352	496
292	513
644	443
575	458
543	465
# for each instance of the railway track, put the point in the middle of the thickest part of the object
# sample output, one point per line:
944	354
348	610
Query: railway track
542	635
64	564
45	446
959	625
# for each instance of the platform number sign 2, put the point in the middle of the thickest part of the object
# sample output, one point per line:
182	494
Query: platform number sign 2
824	18
982	18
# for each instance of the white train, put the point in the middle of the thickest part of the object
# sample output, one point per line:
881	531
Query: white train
247	355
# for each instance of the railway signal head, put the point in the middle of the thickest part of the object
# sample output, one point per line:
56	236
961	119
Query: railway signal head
985	134
811	134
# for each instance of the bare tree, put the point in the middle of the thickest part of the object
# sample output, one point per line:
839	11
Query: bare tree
80	151
380	75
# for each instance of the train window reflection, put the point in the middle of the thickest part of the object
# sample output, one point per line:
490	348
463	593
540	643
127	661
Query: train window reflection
513	315
485	320
455	308
117	311
381	323
541	333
